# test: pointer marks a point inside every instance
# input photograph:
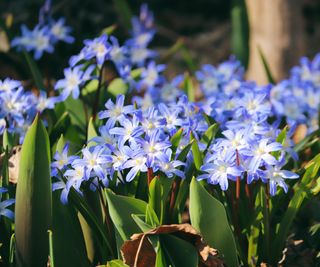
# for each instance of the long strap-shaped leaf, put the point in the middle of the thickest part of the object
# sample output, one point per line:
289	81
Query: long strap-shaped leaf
209	217
33	198
302	190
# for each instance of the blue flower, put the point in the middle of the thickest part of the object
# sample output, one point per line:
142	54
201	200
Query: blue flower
120	155
98	48
171	116
130	129
115	111
137	163
118	54
95	160
4	211
235	141
275	176
153	145
44	102
150	119
139	55
255	104
150	75
8	85
14	104
221	169
105	138
61	160
75	177
37	40
169	166
74	79
259	152
60	32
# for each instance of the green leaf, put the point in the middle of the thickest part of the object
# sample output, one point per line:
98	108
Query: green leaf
151	217
184	152
139	219
89	216
178	251
189	88
197	155
209	217
209	134
117	87
310	138
253	237
8	140
120	209
160	258
37	77
180	203
60	144
60	127
175	141
302	190
91	133
155	196
116	263
69	247
109	30
166	185
240	31
92	199
33	213
189	61
76	112
210	120
281	138
124	13
266	66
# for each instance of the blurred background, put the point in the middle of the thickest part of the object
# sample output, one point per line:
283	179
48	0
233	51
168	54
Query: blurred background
189	32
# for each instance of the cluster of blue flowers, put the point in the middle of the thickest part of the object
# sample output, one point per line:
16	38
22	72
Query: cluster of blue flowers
19	107
131	142
44	36
135	139
295	99
250	125
298	98
132	55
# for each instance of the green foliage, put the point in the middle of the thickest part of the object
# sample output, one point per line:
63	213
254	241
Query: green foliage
266	66
176	249
209	217
35	72
240	31
121	208
302	190
33	199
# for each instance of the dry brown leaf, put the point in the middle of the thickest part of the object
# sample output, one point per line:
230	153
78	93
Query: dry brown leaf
139	252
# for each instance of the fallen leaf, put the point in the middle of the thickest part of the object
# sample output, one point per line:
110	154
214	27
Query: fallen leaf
139	252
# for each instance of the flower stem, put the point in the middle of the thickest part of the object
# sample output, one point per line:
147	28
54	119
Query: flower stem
150	175
238	178
96	100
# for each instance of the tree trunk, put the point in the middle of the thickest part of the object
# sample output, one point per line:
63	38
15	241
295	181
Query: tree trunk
276	27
